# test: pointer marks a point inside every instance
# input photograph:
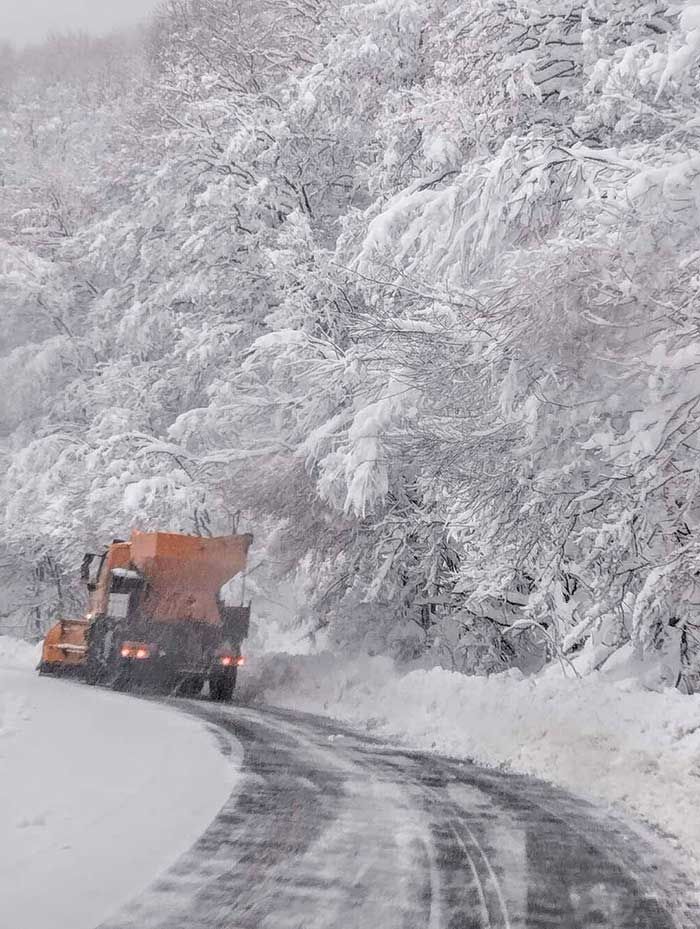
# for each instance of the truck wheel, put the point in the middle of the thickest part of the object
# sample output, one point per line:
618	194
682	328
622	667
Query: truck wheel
221	686
190	687
100	646
94	670
122	680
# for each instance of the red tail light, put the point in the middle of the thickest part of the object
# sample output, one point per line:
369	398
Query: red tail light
136	650
231	661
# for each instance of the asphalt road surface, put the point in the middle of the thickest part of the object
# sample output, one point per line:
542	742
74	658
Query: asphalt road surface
330	829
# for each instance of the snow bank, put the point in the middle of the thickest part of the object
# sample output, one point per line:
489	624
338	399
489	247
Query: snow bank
99	793
15	653
608	740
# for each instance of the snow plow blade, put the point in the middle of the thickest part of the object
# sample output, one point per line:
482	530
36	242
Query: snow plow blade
65	647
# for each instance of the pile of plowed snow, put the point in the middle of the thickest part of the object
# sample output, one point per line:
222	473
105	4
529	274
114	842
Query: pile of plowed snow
15	653
601	736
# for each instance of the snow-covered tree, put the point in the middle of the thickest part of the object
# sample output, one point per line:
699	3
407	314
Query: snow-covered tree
412	287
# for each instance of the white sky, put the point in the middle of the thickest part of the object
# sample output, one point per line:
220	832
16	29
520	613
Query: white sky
24	21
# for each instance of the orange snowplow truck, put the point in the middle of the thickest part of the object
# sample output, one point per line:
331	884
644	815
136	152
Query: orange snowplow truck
155	617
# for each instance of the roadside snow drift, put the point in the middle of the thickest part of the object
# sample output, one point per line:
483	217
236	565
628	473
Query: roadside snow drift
16	653
600	737
99	793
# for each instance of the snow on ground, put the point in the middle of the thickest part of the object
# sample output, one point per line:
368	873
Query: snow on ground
601	736
99	793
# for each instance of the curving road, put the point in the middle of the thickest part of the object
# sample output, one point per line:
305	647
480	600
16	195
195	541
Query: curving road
331	829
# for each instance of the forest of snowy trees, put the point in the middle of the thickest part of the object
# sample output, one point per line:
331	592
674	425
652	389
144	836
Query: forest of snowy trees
409	288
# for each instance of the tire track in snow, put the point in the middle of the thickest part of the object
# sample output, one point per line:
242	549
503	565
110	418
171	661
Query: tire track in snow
503	921
332	829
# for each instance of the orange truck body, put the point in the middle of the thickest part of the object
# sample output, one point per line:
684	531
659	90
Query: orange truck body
182	577
184	573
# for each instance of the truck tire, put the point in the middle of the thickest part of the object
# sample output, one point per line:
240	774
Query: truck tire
102	660
221	686
122	682
92	672
191	687
94	662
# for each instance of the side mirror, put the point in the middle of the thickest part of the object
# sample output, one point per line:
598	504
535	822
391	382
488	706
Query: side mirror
88	558
90	569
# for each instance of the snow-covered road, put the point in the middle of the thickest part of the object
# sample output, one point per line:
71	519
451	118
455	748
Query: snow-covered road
127	814
99	793
331	829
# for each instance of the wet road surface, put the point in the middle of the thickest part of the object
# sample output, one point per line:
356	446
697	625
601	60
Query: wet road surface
331	829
